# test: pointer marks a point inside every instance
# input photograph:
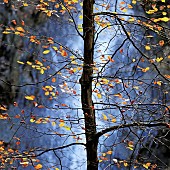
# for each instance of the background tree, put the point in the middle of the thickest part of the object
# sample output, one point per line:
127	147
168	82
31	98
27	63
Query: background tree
100	87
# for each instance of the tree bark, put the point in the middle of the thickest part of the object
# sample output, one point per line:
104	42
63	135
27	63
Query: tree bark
86	85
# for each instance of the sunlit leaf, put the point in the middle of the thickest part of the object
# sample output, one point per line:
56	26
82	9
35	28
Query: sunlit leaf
147	47
32	120
159	83
38	166
29	63
47	93
147	165
164	19
118	95
130	148
104	117
5	1
53	80
53	123
99	95
46	51
111	60
64	53
81	17
30	97
167	76
159	59
42	71
125	164
3	108
61	124
6	32
109	152
145	69
114	120
20	29
80	28
55	48
161	43
20	62
67	128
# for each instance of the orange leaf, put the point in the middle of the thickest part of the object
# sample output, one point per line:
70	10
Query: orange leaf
64	53
161	43
39	166
6	1
14	22
110	59
53	80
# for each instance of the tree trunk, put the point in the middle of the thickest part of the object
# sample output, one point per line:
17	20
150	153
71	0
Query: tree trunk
86	85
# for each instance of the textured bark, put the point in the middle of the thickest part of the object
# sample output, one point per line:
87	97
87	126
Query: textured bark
86	85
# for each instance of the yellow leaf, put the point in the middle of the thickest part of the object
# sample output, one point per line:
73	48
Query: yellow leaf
39	166
147	47
20	62
30	97
130	6
159	59
61	124
53	123
130	148
80	27
46	51
67	128
25	4
104	117
47	93
42	71
164	19
133	1
145	69
99	95
147	165
125	164
163	0
20	29
32	120
6	32
114	120
159	83
29	63
132	19
118	95
81	17
124	10
55	48
56	169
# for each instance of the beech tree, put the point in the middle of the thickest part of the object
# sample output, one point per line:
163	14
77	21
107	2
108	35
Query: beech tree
98	96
